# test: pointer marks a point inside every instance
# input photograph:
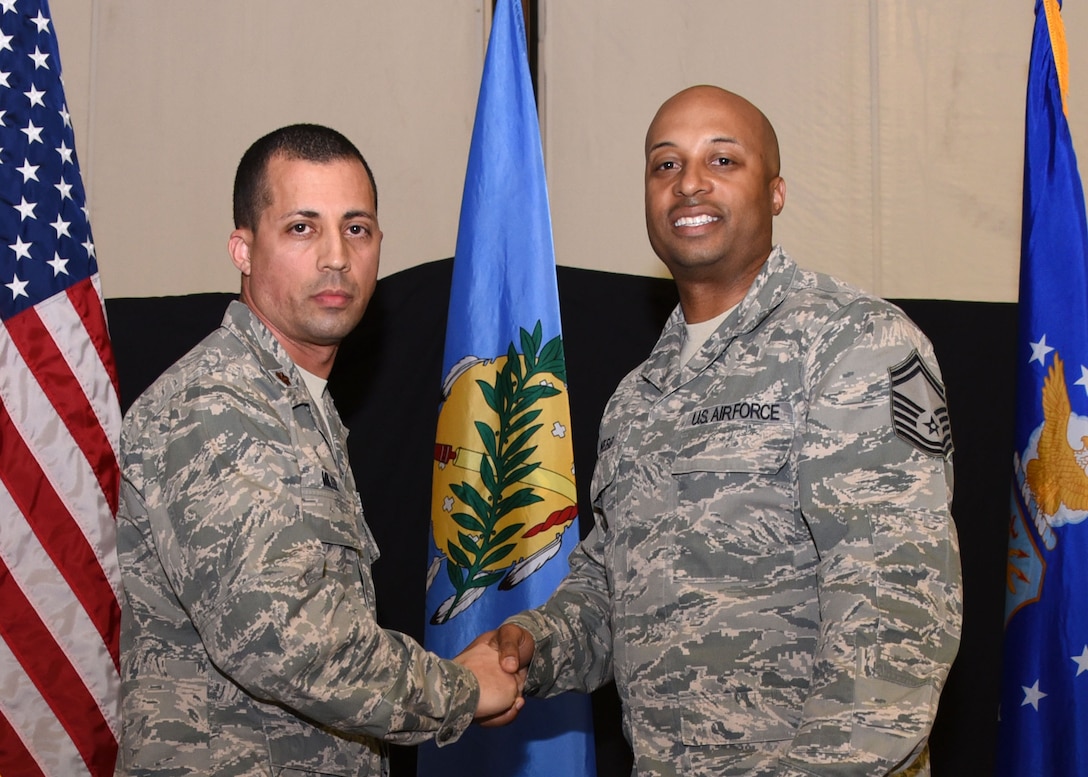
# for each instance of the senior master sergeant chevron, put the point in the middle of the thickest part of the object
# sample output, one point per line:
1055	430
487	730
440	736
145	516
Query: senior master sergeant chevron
773	576
248	641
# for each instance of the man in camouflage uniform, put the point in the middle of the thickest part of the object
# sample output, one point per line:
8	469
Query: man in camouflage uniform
773	576
249	644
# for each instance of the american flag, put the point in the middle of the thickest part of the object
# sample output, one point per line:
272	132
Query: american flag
59	427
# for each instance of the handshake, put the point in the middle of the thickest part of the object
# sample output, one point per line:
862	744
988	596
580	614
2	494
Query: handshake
500	661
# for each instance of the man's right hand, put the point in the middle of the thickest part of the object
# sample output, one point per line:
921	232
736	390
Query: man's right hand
515	645
500	693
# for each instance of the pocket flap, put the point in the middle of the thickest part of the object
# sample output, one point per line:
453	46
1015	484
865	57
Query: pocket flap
330	517
762	448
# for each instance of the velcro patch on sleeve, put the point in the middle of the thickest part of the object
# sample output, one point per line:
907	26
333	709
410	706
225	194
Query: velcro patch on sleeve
919	407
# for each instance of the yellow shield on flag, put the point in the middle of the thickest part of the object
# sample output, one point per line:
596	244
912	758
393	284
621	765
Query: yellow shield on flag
504	488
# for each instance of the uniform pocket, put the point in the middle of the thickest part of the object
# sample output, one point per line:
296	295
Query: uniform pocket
760	448
162	714
298	748
346	542
738	712
736	521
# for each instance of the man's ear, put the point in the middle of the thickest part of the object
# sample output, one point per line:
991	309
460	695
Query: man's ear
238	246
778	195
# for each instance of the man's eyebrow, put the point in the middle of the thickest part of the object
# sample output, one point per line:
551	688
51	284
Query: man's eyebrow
313	214
671	144
309	214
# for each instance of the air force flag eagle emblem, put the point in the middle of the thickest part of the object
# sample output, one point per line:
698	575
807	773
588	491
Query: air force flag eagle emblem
1058	477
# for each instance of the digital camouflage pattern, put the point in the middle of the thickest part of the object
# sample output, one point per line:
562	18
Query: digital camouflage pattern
249	644
773	578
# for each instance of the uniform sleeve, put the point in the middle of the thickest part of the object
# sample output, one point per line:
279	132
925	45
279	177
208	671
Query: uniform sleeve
875	480
573	629
275	577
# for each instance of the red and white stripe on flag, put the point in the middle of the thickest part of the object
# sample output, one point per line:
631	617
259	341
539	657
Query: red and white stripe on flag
59	581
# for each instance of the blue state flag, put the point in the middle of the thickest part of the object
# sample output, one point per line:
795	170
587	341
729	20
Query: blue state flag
504	512
1044	695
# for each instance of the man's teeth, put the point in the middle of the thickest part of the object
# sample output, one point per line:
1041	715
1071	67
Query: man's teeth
693	221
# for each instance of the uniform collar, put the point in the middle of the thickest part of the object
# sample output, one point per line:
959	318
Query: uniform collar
768	290
270	353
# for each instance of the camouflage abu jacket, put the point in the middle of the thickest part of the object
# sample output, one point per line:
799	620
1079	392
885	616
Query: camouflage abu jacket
773	578
249	644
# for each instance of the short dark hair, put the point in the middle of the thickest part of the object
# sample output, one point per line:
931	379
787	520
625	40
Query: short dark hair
309	142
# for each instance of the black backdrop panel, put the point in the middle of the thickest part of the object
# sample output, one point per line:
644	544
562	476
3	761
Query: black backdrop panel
386	384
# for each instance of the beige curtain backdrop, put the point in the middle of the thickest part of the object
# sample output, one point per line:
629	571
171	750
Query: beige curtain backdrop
901	123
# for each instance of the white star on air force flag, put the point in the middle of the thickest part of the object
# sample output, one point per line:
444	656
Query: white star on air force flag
1032	695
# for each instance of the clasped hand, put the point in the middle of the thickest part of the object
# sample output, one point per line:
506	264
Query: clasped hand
500	660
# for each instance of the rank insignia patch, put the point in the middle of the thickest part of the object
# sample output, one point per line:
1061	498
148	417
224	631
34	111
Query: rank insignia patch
919	408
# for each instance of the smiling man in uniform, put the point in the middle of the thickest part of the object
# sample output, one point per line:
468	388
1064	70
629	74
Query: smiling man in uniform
773	576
